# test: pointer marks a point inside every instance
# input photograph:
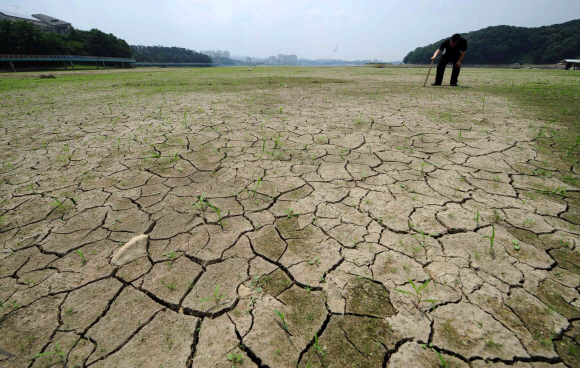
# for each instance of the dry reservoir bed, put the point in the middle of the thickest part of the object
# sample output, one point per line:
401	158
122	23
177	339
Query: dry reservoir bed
282	217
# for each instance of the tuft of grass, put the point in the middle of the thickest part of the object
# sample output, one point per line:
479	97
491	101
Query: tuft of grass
258	185
491	239
216	296
443	362
573	147
202	203
61	354
418	292
83	259
282	318
316	346
171	255
59	204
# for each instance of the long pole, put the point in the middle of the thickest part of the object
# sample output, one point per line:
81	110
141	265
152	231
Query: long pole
429	72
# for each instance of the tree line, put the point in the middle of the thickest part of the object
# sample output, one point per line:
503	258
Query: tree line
160	54
508	44
22	37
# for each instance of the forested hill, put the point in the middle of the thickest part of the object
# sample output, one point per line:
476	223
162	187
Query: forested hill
507	44
160	54
22	37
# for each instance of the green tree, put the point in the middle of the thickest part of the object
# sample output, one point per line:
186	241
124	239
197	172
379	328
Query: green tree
160	54
22	37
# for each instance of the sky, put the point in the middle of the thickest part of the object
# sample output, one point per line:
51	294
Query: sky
312	29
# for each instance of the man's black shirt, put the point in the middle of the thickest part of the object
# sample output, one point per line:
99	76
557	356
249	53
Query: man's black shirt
453	52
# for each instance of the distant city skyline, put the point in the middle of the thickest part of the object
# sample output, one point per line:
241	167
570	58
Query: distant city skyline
216	54
339	29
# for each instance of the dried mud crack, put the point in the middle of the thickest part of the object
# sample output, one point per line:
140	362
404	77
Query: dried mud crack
291	217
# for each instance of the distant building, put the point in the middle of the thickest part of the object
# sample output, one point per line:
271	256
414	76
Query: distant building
248	59
216	54
44	22
570	64
283	59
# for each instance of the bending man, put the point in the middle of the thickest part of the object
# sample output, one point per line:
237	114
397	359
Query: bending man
452	51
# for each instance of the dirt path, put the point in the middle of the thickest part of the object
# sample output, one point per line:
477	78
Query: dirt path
281	217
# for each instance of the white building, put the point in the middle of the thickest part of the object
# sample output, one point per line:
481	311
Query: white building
44	22
216	54
284	59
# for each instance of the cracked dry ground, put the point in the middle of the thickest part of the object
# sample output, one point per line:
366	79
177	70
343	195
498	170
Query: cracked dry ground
159	218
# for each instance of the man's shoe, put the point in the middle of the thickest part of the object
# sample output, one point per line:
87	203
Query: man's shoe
435	84
454	85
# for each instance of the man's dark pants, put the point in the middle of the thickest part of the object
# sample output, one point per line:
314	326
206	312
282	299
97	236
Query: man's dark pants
441	69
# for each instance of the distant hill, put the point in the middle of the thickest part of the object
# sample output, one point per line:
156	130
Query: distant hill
508	44
161	54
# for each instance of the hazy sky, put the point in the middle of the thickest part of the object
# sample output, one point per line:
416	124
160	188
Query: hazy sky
357	29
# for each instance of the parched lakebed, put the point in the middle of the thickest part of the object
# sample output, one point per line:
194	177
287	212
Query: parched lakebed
283	217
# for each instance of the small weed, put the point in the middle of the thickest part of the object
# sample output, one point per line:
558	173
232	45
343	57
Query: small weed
354	241
83	259
492	345
277	143
491	239
256	283
290	213
59	204
316	346
572	148
235	359
216	296
316	261
61	354
170	255
443	362
202	202
258	185
417	249
418	296
541	130
528	221
424	236
282	318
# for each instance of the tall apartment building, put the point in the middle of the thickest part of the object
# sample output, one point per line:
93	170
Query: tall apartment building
44	22
283	59
216	54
